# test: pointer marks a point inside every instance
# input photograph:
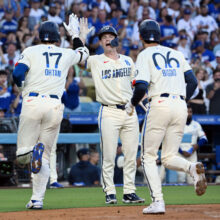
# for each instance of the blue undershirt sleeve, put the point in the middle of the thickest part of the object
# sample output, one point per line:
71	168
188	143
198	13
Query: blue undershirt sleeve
19	73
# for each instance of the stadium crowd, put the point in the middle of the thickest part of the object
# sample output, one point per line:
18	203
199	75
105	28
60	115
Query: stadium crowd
188	26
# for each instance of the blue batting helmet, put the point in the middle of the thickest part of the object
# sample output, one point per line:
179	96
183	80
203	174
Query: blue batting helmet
150	31
49	32
107	29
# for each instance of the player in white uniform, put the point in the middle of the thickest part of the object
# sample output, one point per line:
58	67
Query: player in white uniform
189	150
165	73
41	73
112	74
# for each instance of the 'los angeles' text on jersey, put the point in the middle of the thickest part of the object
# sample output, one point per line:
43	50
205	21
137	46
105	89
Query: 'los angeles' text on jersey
115	73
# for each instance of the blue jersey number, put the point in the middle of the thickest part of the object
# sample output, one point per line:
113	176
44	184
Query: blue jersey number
167	61
46	54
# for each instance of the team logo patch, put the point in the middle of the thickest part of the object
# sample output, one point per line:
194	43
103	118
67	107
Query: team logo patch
127	62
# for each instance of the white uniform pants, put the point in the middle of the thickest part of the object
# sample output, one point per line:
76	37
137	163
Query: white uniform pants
115	123
39	122
53	162
164	123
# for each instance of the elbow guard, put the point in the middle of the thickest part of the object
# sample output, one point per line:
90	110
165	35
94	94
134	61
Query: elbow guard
84	53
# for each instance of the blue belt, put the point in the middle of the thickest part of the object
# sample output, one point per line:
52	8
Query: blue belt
37	94
122	107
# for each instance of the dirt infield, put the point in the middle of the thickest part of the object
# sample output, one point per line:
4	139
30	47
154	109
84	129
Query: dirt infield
173	212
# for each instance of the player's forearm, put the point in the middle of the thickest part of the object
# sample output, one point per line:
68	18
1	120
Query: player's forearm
139	92
191	83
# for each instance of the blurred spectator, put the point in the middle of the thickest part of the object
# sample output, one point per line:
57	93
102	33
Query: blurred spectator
16	104
205	55
2	156
184	48
7	25
143	5
197	104
189	150
103	5
11	57
174	9
2	58
102	20
52	15
36	12
22	28
5	95
64	43
214	40
205	21
94	158
163	13
84	173
213	94
134	50
216	63
168	32
186	23
2	113
93	18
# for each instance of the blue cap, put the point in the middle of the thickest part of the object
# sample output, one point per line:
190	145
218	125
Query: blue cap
95	4
82	152
183	37
197	43
52	5
35	1
187	11
123	17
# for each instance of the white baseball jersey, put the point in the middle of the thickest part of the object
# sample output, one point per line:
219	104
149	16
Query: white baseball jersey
111	78
50	76
195	129
163	68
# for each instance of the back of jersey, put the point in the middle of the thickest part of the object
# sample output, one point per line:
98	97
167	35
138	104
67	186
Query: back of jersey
48	68
163	68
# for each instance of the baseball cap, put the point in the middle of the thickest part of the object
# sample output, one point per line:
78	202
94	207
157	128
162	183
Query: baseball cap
123	17
217	54
183	37
52	5
9	11
197	43
82	152
187	11
35	1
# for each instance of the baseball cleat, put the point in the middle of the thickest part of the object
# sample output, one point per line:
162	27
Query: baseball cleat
36	160
34	204
155	208
132	198
197	171
56	185
110	199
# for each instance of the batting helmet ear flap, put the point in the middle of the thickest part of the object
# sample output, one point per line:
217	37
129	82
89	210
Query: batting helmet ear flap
114	42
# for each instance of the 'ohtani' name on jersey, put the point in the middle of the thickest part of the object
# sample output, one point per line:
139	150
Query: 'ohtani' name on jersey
116	73
52	72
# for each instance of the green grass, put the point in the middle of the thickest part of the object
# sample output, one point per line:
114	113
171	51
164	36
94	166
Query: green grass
16	199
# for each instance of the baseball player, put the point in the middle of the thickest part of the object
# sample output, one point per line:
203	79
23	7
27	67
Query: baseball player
189	150
164	72
41	74
112	74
